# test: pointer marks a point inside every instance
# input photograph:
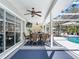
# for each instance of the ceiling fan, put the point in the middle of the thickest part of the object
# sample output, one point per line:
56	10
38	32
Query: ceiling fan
33	12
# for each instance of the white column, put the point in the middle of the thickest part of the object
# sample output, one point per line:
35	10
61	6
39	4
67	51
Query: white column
15	32
21	30
4	30
51	33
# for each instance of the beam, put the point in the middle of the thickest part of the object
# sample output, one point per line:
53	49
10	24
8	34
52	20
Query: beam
69	14
51	32
65	20
50	8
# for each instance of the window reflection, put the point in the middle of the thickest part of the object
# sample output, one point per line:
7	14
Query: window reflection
10	29
1	30
1	36
18	30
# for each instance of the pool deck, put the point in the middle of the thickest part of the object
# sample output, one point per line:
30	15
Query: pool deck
68	45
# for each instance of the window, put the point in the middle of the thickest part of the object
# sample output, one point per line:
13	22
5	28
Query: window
1	30
18	29
10	30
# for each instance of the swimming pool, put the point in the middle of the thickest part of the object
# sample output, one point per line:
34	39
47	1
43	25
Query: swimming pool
74	39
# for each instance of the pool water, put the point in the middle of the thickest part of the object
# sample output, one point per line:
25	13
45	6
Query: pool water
74	39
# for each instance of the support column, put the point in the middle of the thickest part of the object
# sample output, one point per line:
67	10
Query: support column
4	30
21	30
15	32
60	29
51	33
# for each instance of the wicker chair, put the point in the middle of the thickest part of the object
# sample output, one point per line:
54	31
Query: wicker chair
34	39
45	37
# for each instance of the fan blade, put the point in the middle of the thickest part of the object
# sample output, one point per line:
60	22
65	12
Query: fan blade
27	14
29	10
37	14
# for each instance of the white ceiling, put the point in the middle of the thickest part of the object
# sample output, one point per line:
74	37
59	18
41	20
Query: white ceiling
39	5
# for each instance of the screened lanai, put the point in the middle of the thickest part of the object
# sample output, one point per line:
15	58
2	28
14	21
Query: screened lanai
47	29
